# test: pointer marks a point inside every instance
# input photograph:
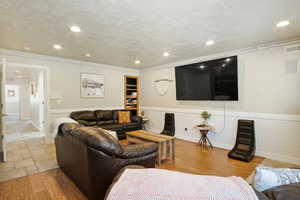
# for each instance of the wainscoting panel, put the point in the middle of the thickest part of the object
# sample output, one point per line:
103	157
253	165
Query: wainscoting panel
277	136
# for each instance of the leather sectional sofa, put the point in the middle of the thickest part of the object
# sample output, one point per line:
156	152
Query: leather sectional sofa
107	119
91	158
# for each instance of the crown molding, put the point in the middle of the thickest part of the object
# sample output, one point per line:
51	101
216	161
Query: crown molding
26	55
239	52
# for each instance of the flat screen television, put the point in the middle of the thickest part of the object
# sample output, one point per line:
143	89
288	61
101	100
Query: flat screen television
209	80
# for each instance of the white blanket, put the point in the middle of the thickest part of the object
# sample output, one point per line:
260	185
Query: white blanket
157	184
57	122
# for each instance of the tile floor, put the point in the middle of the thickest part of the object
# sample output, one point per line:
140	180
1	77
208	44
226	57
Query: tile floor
27	151
20	130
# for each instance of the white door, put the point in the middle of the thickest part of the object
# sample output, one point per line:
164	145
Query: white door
2	111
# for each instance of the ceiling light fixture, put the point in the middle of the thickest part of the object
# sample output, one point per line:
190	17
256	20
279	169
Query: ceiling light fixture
75	29
210	42
282	23
27	48
57	46
228	59
201	66
166	54
137	62
87	55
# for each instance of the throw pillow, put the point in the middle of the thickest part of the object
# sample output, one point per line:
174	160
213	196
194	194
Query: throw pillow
268	177
124	117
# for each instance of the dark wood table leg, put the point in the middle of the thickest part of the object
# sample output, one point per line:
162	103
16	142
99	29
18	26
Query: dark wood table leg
204	141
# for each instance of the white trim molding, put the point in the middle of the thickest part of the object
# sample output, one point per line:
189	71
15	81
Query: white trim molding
225	54
6	52
253	115
277	135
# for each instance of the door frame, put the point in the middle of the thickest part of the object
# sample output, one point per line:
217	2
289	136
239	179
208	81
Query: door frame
46	90
3	111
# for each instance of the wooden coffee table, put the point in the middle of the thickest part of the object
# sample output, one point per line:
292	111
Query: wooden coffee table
166	144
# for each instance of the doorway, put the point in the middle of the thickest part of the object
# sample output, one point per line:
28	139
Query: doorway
25	102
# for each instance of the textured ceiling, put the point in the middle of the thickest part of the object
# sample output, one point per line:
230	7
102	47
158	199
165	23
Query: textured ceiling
118	32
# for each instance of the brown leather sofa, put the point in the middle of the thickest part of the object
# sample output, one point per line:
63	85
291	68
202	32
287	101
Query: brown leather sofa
107	119
91	158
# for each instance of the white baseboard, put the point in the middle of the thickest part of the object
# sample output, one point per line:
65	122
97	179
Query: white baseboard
272	156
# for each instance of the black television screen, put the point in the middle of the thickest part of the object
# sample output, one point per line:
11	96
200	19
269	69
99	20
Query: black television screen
209	80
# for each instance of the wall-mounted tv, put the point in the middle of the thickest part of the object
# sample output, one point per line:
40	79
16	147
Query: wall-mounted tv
209	80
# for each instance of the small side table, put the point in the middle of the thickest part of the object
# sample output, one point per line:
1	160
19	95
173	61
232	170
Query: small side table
204	141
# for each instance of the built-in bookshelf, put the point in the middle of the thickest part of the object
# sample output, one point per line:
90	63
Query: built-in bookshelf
131	94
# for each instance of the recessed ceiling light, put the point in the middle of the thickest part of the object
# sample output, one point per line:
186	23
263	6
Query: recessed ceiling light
88	55
201	66
75	29
27	48
282	23
57	46
210	42
166	54
137	62
228	59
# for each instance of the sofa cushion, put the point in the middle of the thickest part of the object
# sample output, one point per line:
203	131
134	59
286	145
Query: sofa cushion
104	115
114	127
99	123
86	115
130	125
284	192
87	123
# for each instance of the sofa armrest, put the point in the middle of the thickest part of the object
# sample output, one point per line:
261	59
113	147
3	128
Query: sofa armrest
139	150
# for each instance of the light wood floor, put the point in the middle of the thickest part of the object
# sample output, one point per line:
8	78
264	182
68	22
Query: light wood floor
190	158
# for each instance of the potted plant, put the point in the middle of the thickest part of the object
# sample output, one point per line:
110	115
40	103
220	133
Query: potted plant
205	115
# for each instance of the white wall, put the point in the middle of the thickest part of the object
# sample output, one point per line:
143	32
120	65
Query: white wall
12	103
264	85
64	82
25	112
65	79
267	94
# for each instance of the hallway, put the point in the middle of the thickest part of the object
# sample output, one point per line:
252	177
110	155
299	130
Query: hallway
27	151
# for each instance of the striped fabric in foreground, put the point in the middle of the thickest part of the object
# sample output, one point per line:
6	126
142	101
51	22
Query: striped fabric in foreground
158	184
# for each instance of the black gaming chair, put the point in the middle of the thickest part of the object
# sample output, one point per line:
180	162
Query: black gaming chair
169	128
244	148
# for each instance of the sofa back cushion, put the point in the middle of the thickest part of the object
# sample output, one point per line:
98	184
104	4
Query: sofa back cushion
85	115
104	115
99	123
94	138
